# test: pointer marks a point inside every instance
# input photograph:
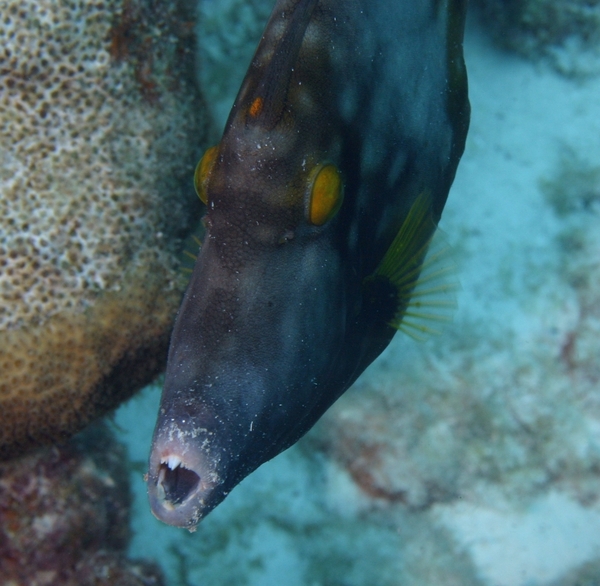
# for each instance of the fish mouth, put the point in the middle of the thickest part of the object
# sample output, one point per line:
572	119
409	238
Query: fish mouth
181	483
175	483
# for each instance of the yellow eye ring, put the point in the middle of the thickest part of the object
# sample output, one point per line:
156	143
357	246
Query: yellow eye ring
326	193
203	171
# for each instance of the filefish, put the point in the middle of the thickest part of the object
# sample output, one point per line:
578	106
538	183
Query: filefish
322	199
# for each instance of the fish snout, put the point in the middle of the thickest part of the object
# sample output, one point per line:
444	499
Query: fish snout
183	477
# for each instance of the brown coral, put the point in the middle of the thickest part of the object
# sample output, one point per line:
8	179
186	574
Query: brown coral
100	127
64	516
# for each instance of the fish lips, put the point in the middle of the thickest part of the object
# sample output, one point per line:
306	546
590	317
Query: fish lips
185	475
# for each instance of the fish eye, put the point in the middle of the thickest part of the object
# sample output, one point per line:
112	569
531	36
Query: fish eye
203	170
326	193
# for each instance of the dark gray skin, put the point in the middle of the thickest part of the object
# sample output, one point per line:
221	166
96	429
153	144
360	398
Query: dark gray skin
277	321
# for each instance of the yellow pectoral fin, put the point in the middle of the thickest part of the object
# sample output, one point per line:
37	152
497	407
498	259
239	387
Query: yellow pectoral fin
193	242
414	282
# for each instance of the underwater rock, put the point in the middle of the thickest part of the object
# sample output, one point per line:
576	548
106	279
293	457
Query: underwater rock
514	418
385	455
567	32
573	192
64	516
101	126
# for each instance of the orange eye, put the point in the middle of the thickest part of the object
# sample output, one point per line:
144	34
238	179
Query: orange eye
203	171
326	194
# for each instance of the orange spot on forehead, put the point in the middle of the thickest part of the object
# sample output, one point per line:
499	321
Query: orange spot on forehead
256	107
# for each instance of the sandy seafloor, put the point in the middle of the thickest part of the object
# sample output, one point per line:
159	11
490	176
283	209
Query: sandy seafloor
472	458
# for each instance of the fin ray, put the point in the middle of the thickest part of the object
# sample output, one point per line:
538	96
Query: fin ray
418	266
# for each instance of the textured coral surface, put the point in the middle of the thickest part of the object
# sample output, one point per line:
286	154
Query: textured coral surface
64	514
100	127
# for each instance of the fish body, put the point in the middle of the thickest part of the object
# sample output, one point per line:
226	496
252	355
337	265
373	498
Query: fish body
322	198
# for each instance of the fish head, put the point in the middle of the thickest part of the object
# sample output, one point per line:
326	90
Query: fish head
261	326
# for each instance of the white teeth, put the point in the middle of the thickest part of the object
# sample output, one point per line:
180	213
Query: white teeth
160	489
171	461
